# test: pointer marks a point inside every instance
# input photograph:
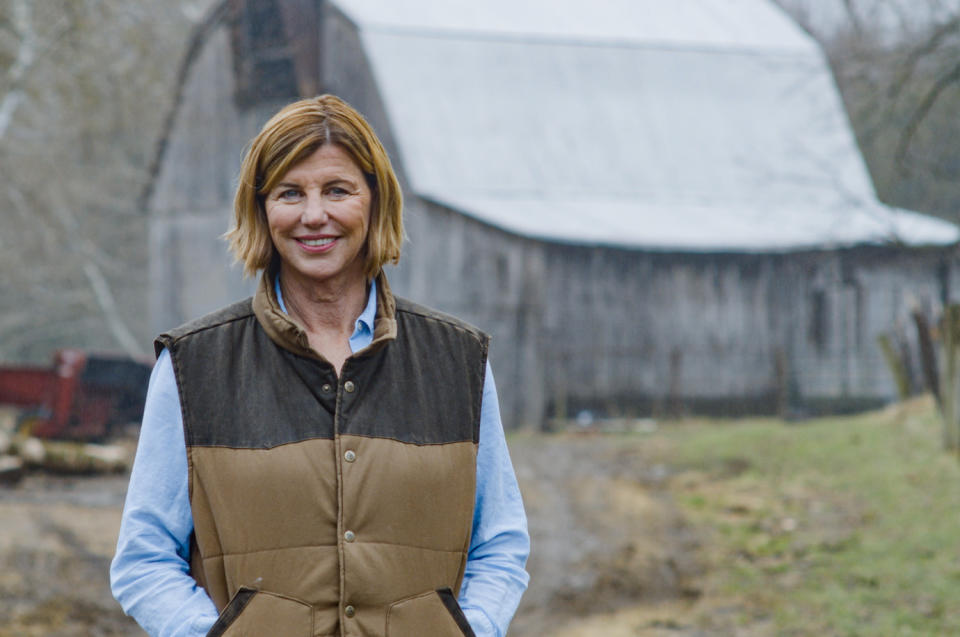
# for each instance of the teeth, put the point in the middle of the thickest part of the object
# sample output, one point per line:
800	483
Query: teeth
315	243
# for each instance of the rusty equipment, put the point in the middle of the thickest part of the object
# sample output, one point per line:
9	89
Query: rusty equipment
82	397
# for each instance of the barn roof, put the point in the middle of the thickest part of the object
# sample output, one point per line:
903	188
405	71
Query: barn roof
690	124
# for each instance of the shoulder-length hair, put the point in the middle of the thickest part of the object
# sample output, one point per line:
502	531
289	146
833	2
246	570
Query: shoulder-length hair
289	137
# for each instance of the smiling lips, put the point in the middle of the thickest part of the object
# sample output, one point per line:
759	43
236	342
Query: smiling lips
318	244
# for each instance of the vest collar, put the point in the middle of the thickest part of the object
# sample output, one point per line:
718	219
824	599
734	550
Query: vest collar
287	333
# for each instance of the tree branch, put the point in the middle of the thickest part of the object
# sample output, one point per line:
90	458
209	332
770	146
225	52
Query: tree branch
26	55
929	46
920	114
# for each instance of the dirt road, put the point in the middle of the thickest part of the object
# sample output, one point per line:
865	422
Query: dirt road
605	535
611	554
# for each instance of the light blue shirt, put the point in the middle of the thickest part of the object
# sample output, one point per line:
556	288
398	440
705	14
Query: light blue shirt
150	573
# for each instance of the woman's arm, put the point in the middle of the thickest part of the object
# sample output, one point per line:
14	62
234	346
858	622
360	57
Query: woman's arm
495	577
150	573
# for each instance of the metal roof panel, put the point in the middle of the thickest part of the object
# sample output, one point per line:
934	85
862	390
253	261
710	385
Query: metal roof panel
733	147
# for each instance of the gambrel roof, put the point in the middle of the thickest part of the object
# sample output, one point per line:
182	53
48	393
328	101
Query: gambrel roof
683	124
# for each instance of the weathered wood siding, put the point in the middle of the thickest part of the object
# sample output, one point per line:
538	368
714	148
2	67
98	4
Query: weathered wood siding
191	269
636	332
730	333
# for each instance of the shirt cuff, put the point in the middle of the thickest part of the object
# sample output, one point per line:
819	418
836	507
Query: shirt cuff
202	625
480	623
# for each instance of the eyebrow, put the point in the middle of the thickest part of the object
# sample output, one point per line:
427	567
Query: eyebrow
336	180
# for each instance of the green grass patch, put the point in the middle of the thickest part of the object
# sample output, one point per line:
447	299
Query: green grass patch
837	526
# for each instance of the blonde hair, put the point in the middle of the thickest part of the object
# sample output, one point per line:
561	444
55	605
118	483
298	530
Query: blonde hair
289	137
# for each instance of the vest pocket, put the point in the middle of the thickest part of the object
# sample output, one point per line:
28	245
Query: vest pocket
253	613
435	613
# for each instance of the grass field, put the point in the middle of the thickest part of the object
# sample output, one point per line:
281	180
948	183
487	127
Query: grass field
836	526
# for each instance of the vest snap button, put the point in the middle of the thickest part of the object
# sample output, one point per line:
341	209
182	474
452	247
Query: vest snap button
350	455
349	386
349	611
326	388
349	536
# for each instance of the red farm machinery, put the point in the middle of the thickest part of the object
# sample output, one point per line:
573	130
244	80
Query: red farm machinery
83	396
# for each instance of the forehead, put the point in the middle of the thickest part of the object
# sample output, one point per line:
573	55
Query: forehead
327	161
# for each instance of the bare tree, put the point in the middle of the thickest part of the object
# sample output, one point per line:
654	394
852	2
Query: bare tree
21	26
897	63
82	98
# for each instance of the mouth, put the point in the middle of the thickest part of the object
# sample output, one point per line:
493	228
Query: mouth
317	243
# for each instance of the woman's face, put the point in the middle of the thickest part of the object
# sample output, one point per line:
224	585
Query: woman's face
318	216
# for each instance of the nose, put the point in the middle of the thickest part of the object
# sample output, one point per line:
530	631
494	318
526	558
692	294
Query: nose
314	210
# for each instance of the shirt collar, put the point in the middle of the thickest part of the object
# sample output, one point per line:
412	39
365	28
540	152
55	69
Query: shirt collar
369	314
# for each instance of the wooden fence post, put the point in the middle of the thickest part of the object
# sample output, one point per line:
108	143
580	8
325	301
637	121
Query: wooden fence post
950	337
928	358
897	366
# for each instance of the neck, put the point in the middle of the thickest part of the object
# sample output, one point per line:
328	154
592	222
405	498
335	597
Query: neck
327	307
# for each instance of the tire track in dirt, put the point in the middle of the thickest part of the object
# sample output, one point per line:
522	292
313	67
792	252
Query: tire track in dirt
605	534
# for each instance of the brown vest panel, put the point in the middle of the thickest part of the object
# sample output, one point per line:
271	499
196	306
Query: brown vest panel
331	506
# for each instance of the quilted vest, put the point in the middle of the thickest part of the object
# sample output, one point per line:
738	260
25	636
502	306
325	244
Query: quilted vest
326	505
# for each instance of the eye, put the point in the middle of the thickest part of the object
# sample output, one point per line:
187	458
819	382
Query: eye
337	192
288	194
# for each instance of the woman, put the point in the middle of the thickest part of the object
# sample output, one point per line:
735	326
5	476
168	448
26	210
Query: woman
324	458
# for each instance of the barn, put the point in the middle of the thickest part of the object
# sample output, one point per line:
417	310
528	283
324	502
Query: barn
651	206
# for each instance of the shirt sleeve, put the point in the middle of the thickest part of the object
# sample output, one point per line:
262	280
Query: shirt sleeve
150	573
495	576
